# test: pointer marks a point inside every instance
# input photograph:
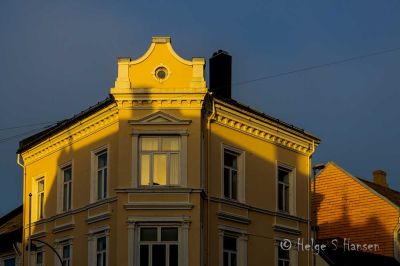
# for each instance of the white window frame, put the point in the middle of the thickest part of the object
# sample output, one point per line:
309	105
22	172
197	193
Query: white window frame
93	235
40	198
60	186
94	173
241	180
67	188
158	241
241	243
136	153
43	257
135	223
5	257
292	187
102	253
59	244
293	253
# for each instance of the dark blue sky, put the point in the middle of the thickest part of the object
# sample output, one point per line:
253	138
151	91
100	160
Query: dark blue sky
57	58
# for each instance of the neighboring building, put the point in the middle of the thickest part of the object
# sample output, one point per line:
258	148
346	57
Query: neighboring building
164	173
357	211
11	237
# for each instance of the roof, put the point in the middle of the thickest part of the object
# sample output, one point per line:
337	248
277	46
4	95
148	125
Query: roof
10	229
265	116
390	194
29	142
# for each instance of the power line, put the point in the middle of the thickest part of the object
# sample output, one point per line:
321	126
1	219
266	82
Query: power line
318	66
27	125
21	134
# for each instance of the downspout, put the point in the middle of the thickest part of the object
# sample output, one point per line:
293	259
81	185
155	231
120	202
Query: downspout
309	200
23	216
208	176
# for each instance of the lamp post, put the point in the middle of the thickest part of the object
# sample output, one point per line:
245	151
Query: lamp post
317	167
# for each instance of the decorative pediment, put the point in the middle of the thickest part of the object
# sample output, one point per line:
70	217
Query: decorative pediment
159	118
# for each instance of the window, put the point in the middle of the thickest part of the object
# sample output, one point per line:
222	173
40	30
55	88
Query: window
160	160
40	199
158	246
283	257
67	187
229	251
66	255
230	174
283	189
101	251
101	174
39	258
9	262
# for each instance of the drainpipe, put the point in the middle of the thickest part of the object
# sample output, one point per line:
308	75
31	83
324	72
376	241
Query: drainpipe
208	176
23	216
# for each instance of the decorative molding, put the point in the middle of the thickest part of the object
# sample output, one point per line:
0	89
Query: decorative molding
286	229
178	102
159	118
98	218
62	140
38	235
264	132
233	217
159	206
62	228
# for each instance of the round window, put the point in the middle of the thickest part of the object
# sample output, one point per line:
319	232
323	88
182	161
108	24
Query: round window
161	73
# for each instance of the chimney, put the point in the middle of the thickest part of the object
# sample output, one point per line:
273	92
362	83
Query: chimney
221	74
380	177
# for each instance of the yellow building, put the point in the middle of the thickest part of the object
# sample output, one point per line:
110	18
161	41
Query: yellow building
165	173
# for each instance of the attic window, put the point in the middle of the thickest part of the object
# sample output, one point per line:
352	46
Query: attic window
161	73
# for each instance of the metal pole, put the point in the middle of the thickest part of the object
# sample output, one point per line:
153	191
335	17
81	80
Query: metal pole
53	249
29	229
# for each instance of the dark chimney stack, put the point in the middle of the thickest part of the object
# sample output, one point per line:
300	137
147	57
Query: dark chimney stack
380	178
221	74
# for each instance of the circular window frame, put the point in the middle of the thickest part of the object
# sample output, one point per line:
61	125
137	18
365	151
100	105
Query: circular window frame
161	68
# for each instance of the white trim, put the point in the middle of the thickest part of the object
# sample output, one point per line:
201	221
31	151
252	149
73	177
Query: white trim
168	120
93	235
60	186
183	134
93	172
241	175
134	224
292	187
241	243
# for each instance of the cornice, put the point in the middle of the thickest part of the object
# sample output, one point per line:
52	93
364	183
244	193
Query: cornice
164	103
263	131
71	135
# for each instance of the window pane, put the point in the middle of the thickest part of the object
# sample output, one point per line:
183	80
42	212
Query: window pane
9	262
39	257
101	244
67	174
174	169
287	198
99	259
169	234
66	194
40	185
158	255
283	175
233	259
149	144
145	169
144	255
173	255
66	251
148	234
102	160
234	184
230	159
280	197
160	169
100	184
226	259
229	243
105	183
283	254
170	144
227	181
